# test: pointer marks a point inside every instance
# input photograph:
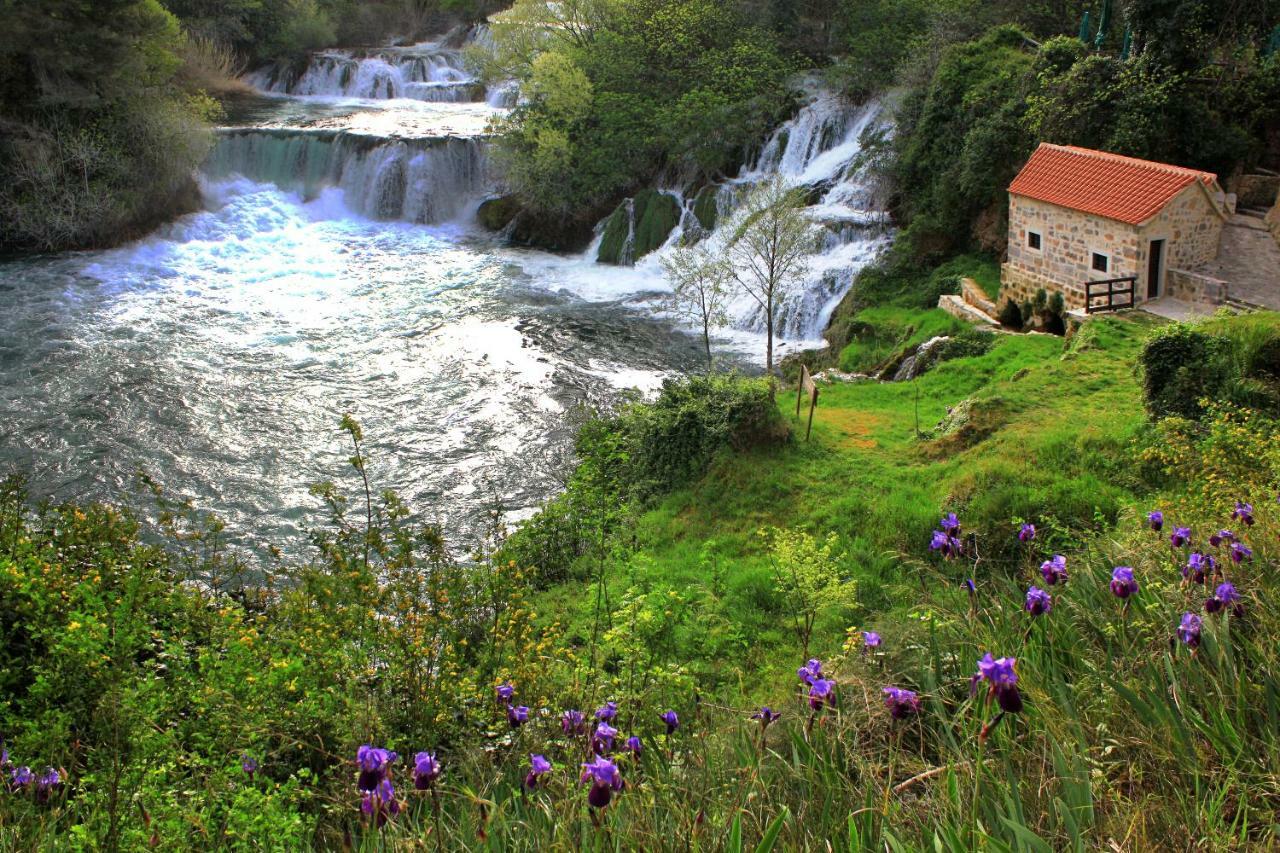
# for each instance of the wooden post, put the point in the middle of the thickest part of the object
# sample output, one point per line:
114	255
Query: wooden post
807	386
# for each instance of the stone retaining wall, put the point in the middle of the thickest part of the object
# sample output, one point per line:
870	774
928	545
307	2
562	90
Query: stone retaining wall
1187	286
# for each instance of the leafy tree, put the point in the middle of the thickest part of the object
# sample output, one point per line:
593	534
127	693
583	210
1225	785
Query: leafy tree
699	289
808	576
770	239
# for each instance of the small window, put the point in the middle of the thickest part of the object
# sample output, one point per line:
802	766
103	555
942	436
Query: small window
1101	263
1033	240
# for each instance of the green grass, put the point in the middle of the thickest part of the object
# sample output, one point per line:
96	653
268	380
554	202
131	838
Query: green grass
1048	440
883	332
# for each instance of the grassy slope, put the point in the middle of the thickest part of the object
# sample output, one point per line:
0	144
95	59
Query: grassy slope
1060	417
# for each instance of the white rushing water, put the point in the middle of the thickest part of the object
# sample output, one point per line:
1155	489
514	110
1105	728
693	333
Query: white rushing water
337	267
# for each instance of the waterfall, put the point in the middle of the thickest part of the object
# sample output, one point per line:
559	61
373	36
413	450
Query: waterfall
415	180
422	72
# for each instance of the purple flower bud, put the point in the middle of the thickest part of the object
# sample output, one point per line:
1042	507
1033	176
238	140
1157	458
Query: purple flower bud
634	746
607	712
1180	536
1221	536
672	721
970	586
1038	601
870	640
517	716
1244	513
426	769
573	723
506	690
538	766
1027	533
248	764
1240	552
820	693
901	703
604	778
1054	571
1123	584
1156	519
1189	630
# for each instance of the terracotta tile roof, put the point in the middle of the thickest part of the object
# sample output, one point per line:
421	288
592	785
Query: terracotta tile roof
1104	184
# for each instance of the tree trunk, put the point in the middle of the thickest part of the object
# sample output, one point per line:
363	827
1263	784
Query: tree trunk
706	342
768	325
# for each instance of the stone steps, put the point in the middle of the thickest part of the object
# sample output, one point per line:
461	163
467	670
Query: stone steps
961	310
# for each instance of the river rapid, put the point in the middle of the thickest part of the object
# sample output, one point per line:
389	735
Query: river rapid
336	267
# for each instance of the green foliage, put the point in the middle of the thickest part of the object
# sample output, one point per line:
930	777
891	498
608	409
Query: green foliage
616	92
878	335
809	576
1234	360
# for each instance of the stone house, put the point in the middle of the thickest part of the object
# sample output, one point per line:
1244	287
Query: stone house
1079	216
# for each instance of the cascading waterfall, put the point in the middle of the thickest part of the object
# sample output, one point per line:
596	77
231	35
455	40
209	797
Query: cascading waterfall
415	180
423	72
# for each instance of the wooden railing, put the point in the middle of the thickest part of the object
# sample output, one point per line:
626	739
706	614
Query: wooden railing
1110	289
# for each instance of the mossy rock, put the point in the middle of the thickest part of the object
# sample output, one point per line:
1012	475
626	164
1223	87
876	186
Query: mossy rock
617	230
657	215
497	213
706	207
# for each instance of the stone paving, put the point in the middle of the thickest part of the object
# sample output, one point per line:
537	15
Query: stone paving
1249	261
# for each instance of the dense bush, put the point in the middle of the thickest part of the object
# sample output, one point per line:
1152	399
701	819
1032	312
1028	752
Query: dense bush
1011	315
1184	366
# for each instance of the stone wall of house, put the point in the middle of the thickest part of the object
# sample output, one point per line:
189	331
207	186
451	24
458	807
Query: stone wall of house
1273	220
1191	228
1188	286
1064	262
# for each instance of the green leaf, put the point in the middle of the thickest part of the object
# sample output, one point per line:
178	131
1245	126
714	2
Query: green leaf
771	834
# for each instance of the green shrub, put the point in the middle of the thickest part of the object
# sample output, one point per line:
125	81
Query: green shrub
1181	366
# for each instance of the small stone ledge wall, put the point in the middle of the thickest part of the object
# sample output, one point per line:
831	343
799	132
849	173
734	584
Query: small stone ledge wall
1187	286
1021	285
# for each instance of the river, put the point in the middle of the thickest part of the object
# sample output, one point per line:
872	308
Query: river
337	267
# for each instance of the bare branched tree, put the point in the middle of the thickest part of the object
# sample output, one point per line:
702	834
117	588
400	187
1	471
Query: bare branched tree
699	290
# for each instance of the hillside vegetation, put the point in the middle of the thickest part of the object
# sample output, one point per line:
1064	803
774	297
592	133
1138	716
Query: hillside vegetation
177	693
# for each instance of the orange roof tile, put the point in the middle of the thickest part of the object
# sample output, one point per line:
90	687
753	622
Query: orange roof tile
1104	184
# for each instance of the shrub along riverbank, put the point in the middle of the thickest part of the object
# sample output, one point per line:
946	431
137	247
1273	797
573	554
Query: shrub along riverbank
174	706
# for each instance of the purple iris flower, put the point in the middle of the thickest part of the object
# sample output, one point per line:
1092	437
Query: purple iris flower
1038	601
1189	630
634	746
538	766
1122	583
672	721
1156	519
947	543
1054	571
1224	596
607	712
1026	533
517	716
506	690
604	778
426	770
1221	536
970	586
1198	567
380	804
820	693
249	764
373	763
573	723
766	715
20	777
870	640
1240	552
950	523
901	703
47	781
1180	536
810	672
1000	674
602	739
1244	512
